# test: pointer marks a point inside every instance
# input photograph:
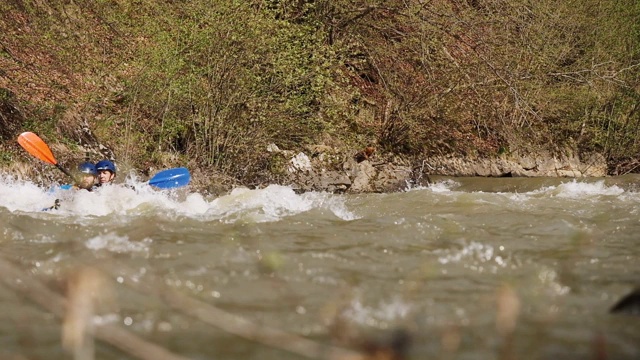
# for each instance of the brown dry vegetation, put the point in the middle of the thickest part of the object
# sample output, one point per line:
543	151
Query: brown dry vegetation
182	83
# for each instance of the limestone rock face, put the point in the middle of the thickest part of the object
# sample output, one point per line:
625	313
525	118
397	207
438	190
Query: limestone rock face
327	169
538	165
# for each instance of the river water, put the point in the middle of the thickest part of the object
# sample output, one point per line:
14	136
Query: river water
471	268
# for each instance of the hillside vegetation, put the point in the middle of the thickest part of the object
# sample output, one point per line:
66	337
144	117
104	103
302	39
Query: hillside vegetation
210	85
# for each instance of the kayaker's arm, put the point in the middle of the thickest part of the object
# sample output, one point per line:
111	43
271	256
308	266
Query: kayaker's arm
56	205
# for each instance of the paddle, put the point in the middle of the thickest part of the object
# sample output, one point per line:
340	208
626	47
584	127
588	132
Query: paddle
38	148
171	178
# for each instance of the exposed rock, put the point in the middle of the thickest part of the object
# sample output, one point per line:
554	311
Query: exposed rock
74	124
355	175
321	180
299	163
329	170
535	165
392	178
362	175
273	148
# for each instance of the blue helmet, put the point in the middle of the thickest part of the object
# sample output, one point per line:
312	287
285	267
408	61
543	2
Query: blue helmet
88	168
106	165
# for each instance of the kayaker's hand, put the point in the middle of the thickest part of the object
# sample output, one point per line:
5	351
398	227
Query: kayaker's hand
56	205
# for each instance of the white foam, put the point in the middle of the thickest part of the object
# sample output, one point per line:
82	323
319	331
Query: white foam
118	244
443	186
269	204
380	315
274	202
258	205
578	190
475	250
19	195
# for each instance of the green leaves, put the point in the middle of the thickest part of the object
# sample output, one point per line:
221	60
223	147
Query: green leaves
216	83
233	72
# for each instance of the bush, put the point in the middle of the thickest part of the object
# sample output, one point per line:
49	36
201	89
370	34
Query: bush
215	84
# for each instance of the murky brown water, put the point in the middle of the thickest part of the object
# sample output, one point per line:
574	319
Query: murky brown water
337	269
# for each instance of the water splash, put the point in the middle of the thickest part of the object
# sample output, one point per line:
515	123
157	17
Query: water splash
381	315
272	203
20	195
118	244
138	198
592	192
580	190
475	256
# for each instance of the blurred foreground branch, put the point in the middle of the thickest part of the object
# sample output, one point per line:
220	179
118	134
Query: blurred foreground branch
86	287
234	324
34	290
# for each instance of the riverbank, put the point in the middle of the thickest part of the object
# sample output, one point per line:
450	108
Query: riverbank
465	90
328	169
334	170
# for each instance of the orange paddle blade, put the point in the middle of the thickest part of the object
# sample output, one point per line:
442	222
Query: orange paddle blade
36	147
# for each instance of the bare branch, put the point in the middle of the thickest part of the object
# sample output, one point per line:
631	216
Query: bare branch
34	290
237	325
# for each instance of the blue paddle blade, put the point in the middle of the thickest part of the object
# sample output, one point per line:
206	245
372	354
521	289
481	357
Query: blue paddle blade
171	178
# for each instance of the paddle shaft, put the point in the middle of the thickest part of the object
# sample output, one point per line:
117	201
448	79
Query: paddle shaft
66	172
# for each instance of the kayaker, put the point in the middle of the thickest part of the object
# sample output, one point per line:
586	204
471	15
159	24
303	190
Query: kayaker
106	172
86	177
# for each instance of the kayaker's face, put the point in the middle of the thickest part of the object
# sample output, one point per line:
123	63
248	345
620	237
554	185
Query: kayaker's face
105	176
86	181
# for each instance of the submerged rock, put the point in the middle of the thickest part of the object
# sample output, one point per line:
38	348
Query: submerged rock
629	304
